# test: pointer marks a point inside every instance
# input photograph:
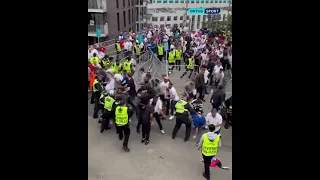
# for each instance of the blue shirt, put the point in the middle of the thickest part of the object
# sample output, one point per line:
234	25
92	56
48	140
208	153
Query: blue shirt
198	121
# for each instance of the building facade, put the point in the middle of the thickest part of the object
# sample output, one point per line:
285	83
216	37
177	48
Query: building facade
171	12
111	17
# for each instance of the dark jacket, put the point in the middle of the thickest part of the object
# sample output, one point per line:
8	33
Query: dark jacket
199	80
218	98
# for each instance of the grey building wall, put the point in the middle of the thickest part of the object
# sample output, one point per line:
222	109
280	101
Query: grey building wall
111	17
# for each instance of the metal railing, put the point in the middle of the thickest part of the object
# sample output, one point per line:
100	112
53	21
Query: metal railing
97	4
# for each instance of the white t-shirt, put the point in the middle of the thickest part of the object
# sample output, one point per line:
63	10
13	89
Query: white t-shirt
217	68
163	87
214	120
110	86
173	94
134	63
158	106
118	77
220	75
206	73
91	53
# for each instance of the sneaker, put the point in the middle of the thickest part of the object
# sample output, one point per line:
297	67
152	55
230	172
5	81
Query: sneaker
126	149
171	117
146	142
162	131
143	140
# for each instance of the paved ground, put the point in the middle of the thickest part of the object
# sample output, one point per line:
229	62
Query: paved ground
162	158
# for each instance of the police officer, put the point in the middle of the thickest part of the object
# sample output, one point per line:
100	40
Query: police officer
118	48
160	52
209	144
178	58
136	50
97	89
182	117
127	65
101	104
104	62
94	60
108	113
117	67
122	115
172	58
189	67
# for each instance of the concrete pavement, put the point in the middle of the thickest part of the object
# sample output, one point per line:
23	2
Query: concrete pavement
162	158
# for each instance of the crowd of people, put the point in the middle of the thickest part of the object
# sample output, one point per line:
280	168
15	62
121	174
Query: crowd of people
205	54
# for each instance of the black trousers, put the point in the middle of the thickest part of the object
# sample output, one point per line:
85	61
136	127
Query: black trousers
160	57
182	119
106	120
172	64
96	96
207	162
200	91
191	70
124	130
146	127
178	62
157	117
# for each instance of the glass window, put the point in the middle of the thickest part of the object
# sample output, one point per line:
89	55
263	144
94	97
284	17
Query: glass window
162	18
211	1
117	3
181	17
216	1
168	18
170	1
224	1
158	1
129	4
124	19
176	1
181	25
197	1
175	18
202	1
124	3
154	18
129	14
220	1
182	1
164	1
230	1
207	1
187	17
118	21
192	1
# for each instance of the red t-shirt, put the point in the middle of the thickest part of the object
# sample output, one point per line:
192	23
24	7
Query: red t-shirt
102	49
91	67
121	44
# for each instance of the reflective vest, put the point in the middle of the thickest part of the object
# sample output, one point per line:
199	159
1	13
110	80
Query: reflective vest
171	57
121	115
94	60
116	68
105	62
127	66
118	47
108	103
101	99
210	148
178	54
191	64
160	50
180	106
94	84
137	48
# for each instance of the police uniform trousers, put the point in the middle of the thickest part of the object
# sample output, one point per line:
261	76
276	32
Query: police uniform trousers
96	96
207	162
124	131
106	120
182	119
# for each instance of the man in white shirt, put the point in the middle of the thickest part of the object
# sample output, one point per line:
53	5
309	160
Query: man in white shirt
91	51
164	93
219	78
216	68
214	118
157	104
174	99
